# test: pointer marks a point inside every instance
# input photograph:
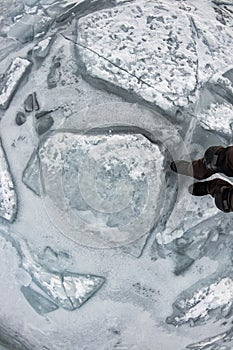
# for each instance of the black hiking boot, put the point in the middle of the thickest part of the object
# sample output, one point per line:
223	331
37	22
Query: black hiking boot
199	188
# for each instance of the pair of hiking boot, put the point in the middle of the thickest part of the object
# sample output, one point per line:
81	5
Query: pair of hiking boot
217	159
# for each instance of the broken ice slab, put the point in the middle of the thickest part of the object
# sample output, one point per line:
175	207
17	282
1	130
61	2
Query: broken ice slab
219	117
31	174
55	260
229	75
202	301
54	73
210	238
67	290
161	58
8	198
20	118
188	212
217	342
183	262
81	8
22	30
215	105
7	46
39	303
136	248
43	124
80	288
41	25
10	80
28	103
137	58
31	103
50	289
31	2
41	50
28	27
108	186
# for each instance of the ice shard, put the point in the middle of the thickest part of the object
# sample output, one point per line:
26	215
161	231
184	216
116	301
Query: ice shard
164	60
20	118
216	342
31	174
136	248
41	50
220	117
198	304
215	105
8	198
28	103
137	57
40	304
43	124
23	29
79	288
11	78
31	103
67	290
106	186
29	26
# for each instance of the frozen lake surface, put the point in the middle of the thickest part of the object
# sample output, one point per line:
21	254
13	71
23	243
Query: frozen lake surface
101	245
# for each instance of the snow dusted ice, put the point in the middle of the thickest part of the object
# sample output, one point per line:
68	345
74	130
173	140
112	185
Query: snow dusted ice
101	245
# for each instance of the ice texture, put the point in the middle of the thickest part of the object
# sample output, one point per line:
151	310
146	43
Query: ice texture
11	78
29	26
112	185
66	290
130	47
216	342
8	198
43	124
20	118
41	50
161	53
220	117
154	77
31	174
198	306
195	213
23	29
39	303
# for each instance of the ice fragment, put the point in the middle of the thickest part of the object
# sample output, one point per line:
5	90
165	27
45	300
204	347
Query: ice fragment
197	305
10	80
8	199
43	124
31	174
23	29
67	290
28	103
39	303
42	49
214	343
20	118
31	103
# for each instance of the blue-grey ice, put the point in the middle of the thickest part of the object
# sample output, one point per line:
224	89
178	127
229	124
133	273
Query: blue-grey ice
8	197
11	78
108	250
